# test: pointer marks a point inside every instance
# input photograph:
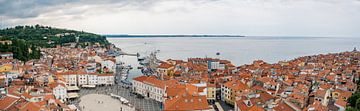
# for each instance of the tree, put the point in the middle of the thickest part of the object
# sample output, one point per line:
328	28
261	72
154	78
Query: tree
353	99
351	109
357	105
34	37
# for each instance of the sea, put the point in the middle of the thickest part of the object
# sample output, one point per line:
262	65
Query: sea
239	50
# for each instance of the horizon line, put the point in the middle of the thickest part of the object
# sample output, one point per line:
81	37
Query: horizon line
218	35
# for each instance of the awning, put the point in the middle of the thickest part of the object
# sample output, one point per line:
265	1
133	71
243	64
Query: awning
88	86
73	95
72	88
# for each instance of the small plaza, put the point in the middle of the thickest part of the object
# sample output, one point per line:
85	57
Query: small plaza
138	102
97	102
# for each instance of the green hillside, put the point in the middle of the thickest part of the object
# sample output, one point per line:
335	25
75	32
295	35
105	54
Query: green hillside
33	37
45	36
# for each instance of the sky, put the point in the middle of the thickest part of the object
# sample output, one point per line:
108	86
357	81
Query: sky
316	18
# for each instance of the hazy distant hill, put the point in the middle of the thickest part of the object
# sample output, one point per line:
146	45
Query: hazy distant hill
174	36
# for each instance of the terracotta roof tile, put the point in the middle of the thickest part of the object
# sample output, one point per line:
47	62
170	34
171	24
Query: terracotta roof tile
186	102
165	65
7	102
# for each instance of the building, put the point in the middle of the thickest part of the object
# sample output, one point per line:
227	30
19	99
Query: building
3	81
215	65
341	104
232	89
82	79
92	79
151	87
109	65
6	56
105	79
186	102
164	69
70	78
322	96
245	104
7	102
91	67
211	92
7	42
6	67
59	91
186	97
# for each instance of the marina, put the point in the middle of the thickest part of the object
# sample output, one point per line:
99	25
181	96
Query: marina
122	73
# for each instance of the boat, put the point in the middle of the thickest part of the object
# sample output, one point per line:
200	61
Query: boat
123	78
141	58
129	67
144	62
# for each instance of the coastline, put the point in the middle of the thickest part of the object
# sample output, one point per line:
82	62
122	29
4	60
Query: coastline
168	36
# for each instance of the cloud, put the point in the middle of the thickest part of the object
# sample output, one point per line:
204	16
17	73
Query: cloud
20	11
34	8
247	17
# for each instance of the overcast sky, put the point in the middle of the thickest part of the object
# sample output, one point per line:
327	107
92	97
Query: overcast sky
338	18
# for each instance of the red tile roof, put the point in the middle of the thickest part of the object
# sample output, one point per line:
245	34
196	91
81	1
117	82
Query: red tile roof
165	65
248	106
152	80
31	106
186	102
7	102
341	103
236	85
283	107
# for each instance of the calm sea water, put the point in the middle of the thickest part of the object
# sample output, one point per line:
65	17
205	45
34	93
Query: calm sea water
240	51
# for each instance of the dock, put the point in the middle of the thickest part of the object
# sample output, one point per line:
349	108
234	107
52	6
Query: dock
122	73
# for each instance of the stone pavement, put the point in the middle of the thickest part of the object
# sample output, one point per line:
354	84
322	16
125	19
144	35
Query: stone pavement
100	102
139	103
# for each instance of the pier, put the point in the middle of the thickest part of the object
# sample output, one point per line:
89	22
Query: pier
122	73
149	63
114	51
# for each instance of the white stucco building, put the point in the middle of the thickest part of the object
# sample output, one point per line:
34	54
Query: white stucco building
92	79
151	87
71	79
109	64
86	79
59	91
82	79
105	79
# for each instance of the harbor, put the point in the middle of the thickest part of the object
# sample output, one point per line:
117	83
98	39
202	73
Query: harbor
122	74
145	64
149	63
